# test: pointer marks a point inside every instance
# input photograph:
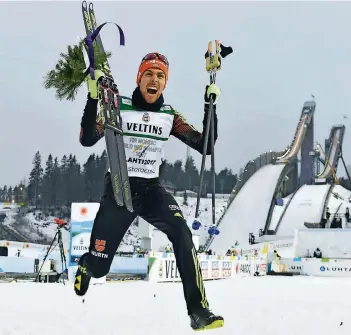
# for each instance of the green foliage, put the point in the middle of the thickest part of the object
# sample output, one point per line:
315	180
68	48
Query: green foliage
69	72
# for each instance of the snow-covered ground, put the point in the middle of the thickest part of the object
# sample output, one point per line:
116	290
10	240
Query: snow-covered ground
205	213
251	306
36	227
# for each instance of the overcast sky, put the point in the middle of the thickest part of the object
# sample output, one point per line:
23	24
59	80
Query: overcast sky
284	51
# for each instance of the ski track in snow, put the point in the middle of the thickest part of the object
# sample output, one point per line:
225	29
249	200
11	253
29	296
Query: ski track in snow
250	306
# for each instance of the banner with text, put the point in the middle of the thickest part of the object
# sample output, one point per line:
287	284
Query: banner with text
164	269
82	219
321	267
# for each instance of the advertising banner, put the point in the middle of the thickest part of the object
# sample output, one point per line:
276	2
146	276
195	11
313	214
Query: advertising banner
82	219
320	267
327	267
165	269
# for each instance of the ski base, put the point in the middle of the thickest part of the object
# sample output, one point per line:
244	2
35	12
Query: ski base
115	144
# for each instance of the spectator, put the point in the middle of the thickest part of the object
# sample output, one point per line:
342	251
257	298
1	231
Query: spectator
323	223
307	255
347	215
272	257
317	253
338	222
327	214
276	255
333	224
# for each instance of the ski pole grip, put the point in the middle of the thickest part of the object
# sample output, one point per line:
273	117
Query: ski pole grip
213	62
89	42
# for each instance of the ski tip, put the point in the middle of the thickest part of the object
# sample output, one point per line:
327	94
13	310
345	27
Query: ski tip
84	4
91	6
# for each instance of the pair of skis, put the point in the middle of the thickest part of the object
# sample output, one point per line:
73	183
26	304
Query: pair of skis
109	113
213	64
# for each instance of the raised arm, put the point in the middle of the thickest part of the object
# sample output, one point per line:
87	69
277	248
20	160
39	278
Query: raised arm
185	132
91	128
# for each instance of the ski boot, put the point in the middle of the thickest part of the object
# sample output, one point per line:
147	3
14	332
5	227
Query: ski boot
82	277
204	319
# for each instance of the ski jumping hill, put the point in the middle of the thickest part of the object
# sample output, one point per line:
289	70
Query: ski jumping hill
248	211
253	199
336	139
307	205
252	207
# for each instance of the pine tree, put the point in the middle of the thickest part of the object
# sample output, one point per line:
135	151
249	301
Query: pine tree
4	194
55	182
178	175
35	179
62	186
192	176
90	178
47	181
185	198
22	191
15	194
10	194
74	181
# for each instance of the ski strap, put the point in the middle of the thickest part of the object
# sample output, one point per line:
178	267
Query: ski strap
89	42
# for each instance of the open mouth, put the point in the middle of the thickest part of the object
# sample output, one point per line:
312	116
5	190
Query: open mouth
152	90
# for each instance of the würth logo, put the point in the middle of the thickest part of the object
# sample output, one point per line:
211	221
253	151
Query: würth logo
100	245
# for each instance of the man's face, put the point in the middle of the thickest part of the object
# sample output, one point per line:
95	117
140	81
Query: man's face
152	84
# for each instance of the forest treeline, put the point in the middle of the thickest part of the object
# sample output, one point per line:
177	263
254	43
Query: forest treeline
59	182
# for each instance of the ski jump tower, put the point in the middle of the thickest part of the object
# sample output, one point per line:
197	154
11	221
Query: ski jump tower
307	171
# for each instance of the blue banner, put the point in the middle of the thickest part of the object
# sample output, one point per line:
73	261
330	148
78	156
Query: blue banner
79	240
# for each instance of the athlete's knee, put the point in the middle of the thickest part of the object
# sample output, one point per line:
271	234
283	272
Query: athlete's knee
181	230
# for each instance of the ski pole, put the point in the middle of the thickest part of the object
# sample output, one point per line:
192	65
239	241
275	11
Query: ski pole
213	64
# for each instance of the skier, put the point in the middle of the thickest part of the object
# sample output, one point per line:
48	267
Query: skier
147	124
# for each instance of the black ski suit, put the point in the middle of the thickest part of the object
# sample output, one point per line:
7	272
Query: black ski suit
151	202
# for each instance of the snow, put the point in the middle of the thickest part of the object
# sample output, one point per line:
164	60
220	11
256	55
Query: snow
339	200
205	213
38	228
250	305
342	192
248	211
306	206
278	211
